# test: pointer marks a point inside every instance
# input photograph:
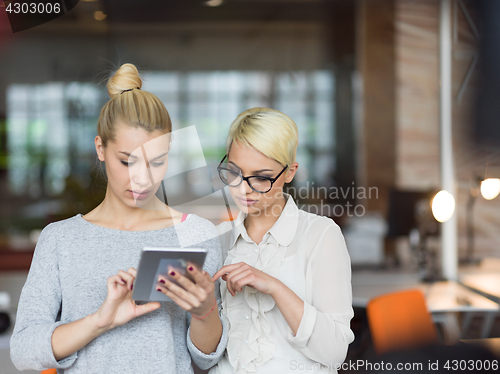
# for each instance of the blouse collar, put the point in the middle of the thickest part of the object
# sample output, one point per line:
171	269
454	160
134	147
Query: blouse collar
283	230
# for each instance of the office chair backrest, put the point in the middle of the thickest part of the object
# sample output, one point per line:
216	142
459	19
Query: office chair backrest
400	320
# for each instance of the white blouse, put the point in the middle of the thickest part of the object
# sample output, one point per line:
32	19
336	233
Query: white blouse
308	254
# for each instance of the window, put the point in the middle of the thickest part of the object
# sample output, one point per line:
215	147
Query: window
51	128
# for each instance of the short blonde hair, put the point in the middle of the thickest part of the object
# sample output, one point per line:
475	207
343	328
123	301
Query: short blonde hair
268	131
131	105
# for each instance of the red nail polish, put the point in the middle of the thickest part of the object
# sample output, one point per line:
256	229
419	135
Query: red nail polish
131	287
190	268
162	281
172	273
159	290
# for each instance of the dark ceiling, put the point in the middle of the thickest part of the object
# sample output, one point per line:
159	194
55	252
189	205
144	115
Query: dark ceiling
155	11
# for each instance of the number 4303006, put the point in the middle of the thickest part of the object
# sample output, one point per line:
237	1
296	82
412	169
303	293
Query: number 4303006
32	8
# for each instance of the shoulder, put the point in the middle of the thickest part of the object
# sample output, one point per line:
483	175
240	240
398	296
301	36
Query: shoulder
312	225
196	230
200	224
60	228
224	227
320	234
52	238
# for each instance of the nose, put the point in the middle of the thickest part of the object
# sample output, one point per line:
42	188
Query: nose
245	188
140	175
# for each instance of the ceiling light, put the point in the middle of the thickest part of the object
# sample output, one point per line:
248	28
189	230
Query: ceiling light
213	2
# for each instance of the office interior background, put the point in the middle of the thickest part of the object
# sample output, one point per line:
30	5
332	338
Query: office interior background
360	79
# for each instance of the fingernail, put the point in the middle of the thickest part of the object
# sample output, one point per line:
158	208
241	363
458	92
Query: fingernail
162	281
172	272
159	290
190	268
131	287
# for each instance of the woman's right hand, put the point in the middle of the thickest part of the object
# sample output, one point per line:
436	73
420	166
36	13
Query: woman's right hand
116	310
119	308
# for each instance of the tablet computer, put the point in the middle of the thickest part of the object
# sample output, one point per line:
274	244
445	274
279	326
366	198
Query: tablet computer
156	261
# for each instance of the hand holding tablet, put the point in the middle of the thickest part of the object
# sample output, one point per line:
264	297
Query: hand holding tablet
158	263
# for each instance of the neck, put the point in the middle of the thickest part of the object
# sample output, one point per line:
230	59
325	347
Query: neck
113	209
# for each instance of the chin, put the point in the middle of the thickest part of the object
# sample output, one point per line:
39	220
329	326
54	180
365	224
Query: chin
136	203
241	207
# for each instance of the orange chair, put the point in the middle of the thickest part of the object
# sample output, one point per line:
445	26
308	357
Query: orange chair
400	320
49	371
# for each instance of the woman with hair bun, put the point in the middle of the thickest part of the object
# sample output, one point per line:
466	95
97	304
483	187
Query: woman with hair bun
287	276
75	312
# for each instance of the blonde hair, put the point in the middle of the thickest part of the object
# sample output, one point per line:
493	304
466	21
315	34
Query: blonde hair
130	105
268	131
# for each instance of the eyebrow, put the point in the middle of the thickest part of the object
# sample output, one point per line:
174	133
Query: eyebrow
129	155
255	171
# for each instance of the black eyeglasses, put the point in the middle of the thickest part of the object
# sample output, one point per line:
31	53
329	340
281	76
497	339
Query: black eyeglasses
233	178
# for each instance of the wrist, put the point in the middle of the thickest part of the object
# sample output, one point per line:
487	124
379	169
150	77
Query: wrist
97	326
204	316
276	288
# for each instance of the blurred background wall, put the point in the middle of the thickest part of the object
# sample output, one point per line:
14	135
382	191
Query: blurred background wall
398	60
360	78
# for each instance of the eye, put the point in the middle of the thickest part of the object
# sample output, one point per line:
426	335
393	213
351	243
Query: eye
155	164
261	179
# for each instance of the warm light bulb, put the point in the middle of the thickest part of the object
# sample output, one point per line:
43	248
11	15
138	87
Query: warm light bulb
443	206
490	188
99	15
214	2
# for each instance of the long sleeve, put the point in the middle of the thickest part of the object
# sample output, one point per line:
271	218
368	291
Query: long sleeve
38	310
213	262
324	332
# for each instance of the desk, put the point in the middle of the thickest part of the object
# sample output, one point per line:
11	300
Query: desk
487	283
368	284
444	299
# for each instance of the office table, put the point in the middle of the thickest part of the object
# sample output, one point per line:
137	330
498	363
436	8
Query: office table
487	283
444	299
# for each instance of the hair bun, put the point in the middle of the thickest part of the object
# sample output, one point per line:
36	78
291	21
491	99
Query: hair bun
125	78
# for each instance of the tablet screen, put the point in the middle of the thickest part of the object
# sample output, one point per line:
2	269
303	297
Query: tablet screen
159	261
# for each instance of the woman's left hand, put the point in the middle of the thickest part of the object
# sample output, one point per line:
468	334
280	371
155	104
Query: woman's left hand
241	274
197	298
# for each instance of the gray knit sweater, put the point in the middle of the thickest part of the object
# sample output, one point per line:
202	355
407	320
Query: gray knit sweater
67	281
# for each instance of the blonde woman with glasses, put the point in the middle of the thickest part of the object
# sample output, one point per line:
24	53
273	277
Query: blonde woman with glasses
286	287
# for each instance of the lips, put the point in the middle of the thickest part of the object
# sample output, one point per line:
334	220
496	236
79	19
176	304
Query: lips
139	195
246	202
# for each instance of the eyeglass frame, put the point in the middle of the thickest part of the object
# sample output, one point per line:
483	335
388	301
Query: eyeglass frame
243	179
